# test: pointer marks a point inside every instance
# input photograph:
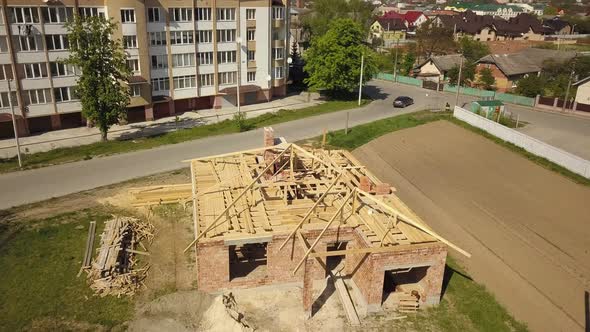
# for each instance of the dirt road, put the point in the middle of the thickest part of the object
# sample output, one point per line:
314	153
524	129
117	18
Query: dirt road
527	227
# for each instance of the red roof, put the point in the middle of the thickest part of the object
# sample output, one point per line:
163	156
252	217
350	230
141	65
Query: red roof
393	15
412	15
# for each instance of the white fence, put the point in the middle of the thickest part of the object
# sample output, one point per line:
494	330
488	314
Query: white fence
572	162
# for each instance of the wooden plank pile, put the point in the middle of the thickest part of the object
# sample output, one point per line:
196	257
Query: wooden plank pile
164	194
114	270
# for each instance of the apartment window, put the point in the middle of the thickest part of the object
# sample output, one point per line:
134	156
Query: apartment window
227	35
205	36
27	43
3	44
130	41
278	53
159	61
183	60
226	14
181	37
227	78
251	75
206	80
181	14
133	65
57	14
250	14
4	102
278	73
154	14
203	14
24	15
64	94
35	70
184	82
89	12
127	15
205	58
226	57
36	97
278	13
135	90
57	42
160	84
5	72
251	34
61	69
158	38
251	55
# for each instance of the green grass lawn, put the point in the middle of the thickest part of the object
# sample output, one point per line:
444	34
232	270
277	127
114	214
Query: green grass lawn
365	133
465	306
64	155
38	282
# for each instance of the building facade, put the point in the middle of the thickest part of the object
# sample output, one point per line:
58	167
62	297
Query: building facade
184	54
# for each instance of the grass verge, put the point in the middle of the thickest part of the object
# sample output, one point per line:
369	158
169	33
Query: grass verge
465	306
65	155
38	280
365	133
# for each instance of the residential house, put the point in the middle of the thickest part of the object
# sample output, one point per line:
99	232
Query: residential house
389	30
503	11
413	19
507	69
583	93
436	67
557	26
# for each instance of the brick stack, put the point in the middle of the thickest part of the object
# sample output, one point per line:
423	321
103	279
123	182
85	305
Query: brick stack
269	136
382	189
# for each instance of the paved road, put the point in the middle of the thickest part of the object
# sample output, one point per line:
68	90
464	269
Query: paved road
44	183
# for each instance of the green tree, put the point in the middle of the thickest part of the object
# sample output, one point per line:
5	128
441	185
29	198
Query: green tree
530	86
101	86
472	49
333	60
467	74
295	56
549	10
408	63
434	40
486	79
323	12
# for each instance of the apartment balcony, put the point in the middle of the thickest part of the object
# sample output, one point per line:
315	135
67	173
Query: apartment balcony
278	23
250	23
251	64
251	45
278	43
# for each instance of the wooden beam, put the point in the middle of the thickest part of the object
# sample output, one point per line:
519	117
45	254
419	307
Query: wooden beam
369	250
334	216
195	206
306	245
310	211
279	146
411	222
235	200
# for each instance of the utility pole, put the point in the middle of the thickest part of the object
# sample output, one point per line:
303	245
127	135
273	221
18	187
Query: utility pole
361	79
567	91
459	82
20	163
395	63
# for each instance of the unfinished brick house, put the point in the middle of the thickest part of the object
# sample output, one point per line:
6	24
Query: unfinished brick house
283	214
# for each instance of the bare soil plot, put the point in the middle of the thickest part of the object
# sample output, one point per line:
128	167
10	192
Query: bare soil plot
527	228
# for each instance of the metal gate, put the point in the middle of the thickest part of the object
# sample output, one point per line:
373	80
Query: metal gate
431	85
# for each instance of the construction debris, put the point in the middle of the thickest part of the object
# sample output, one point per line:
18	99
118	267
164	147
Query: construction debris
231	306
114	270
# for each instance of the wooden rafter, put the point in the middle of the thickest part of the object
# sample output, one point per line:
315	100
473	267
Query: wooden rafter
238	197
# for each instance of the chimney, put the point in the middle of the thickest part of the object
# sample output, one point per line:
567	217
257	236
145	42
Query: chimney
269	136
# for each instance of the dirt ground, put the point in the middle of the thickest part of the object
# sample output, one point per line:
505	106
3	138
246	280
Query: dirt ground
526	227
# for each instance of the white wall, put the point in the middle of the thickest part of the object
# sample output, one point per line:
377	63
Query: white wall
572	162
583	94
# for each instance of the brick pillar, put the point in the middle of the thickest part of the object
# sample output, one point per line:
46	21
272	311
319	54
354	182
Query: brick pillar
55	121
537	98
269	136
365	184
171	108
308	287
149	112
555	102
217	102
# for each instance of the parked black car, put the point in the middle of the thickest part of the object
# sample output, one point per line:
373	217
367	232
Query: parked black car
403	101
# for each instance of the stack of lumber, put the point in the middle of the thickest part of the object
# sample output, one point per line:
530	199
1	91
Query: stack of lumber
114	270
164	194
408	303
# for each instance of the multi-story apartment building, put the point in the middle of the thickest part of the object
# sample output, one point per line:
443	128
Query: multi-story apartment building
185	55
